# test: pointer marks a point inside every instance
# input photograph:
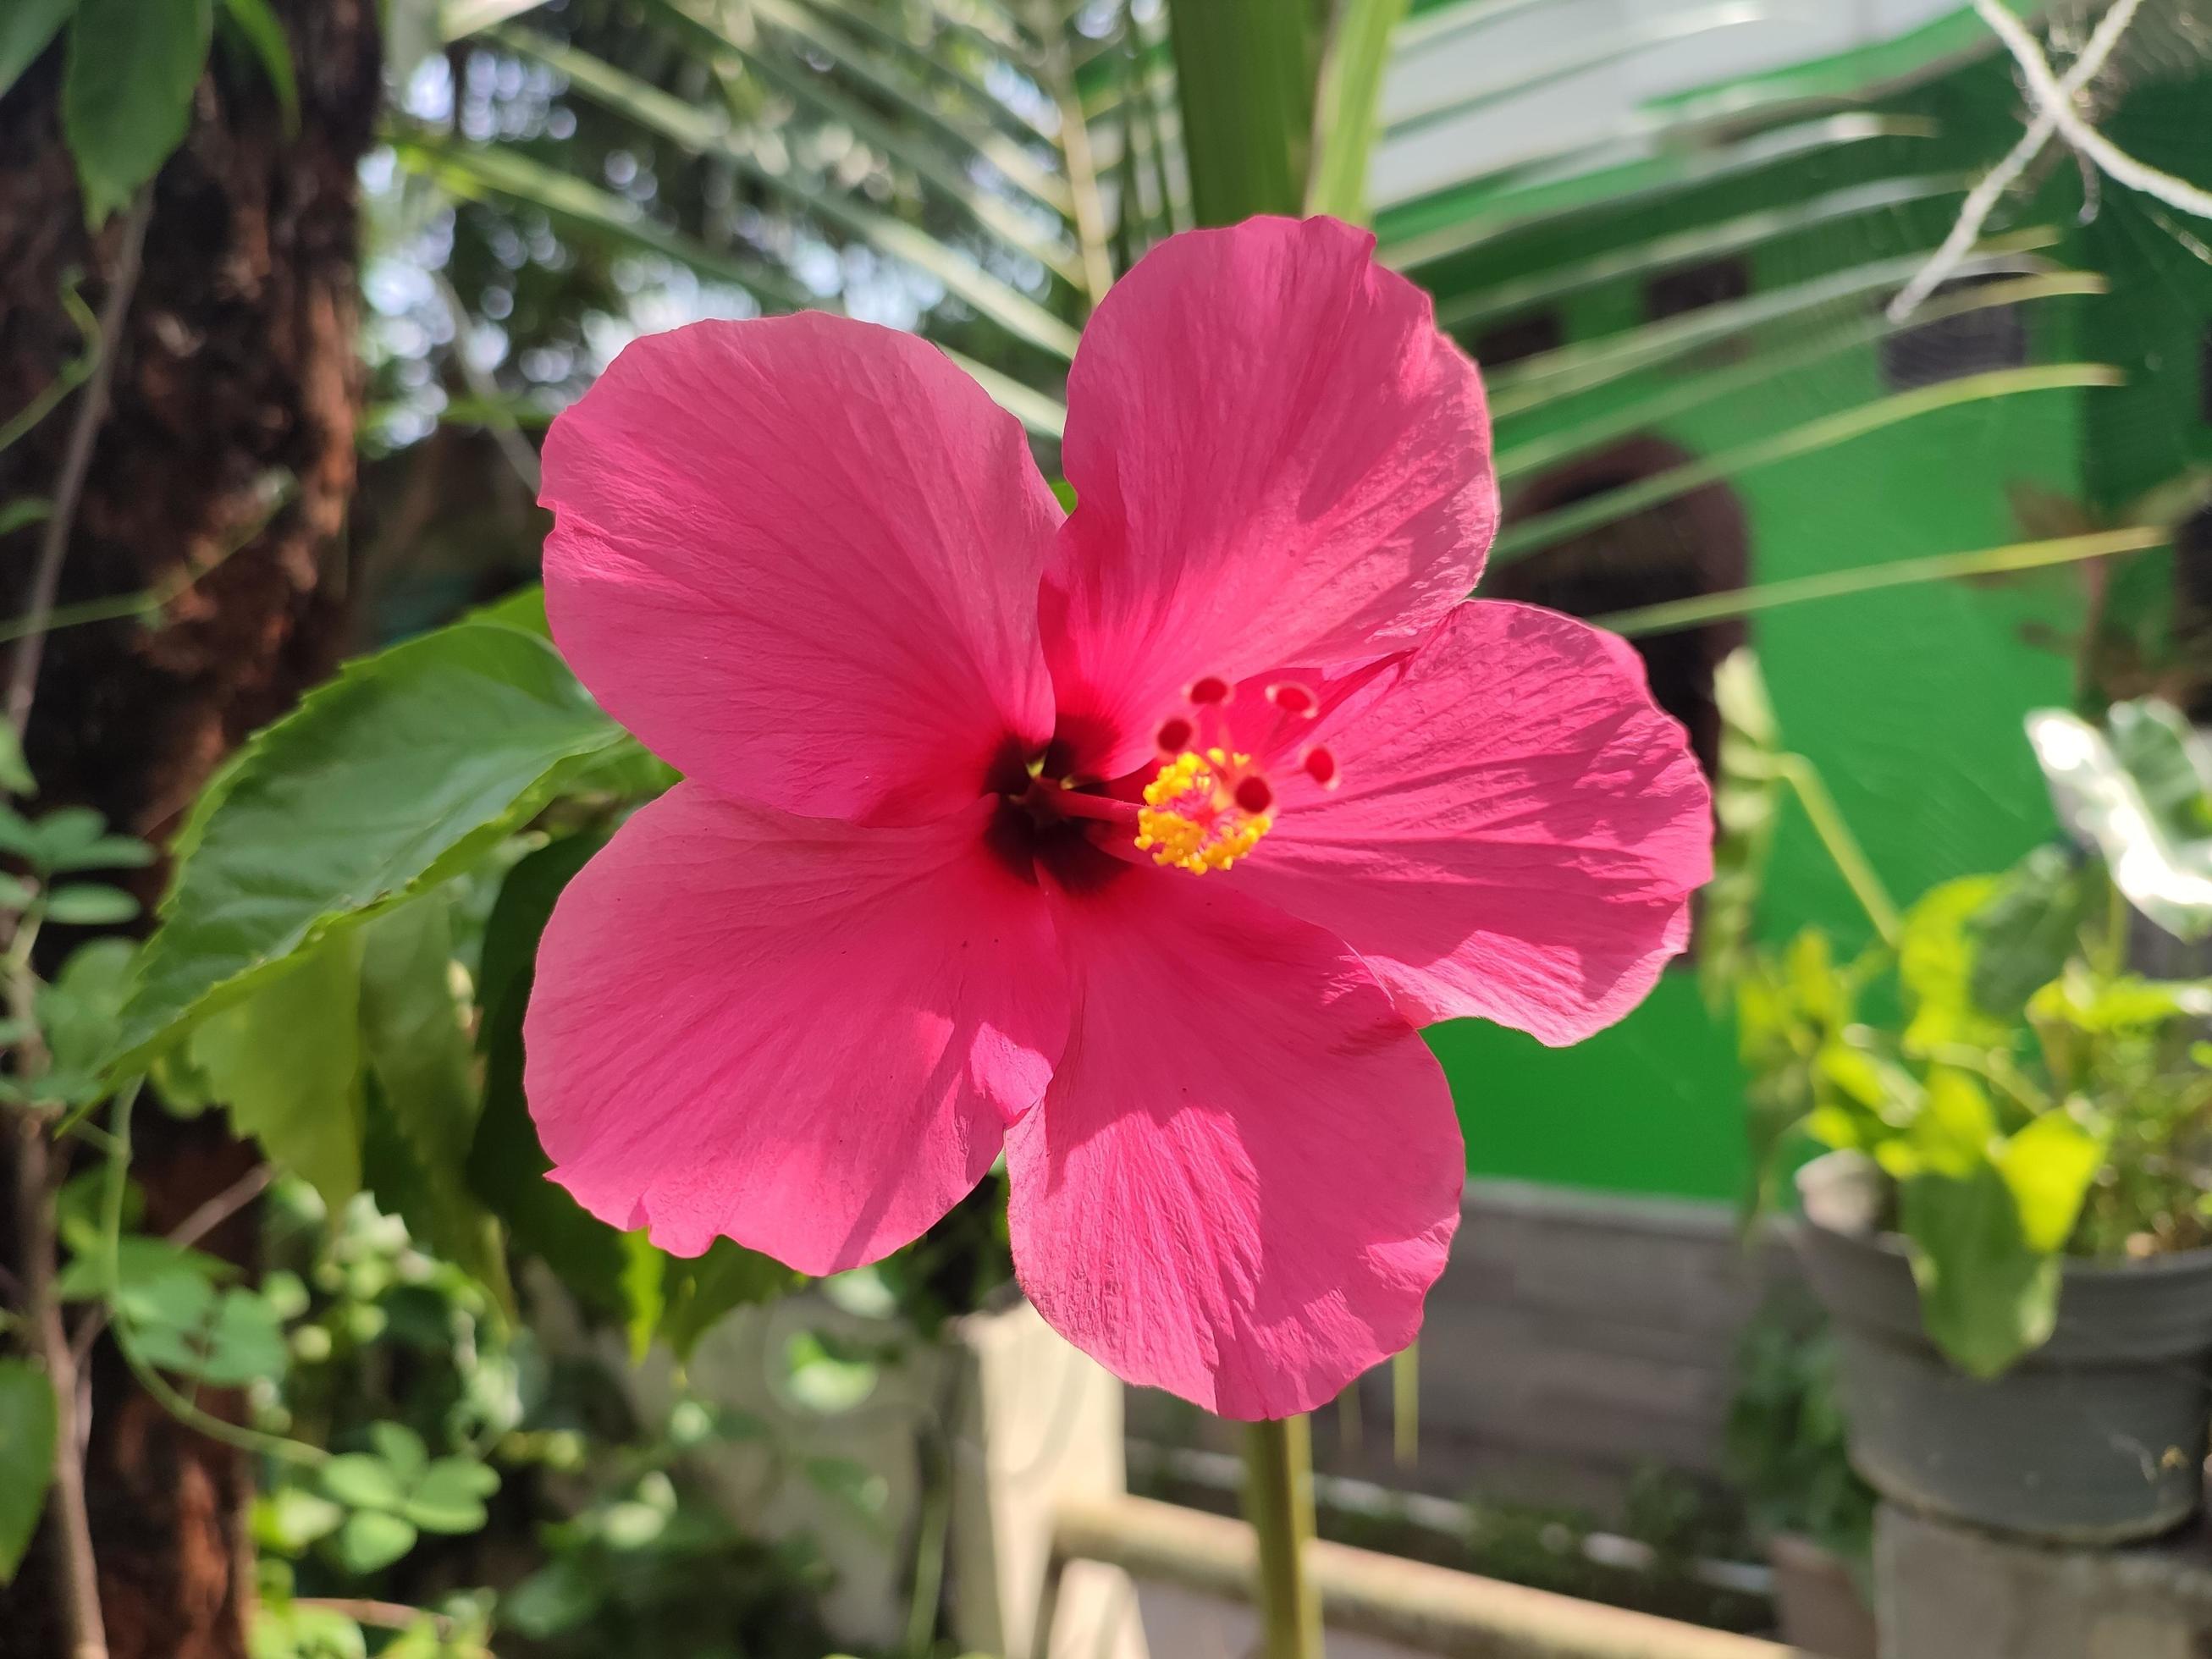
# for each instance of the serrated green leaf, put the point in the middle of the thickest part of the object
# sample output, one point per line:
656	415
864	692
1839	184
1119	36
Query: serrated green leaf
473	726
27	1457
87	904
127	91
287	1062
26	28
371	1540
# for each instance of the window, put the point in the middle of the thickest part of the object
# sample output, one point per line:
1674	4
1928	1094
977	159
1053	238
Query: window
1971	343
1524	336
1696	544
1696	286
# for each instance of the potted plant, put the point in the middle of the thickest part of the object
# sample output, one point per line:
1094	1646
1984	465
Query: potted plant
2011	1228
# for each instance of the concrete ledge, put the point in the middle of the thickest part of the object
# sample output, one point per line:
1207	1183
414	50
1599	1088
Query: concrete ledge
1949	1592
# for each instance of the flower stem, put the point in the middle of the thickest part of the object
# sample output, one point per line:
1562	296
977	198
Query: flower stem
1279	1503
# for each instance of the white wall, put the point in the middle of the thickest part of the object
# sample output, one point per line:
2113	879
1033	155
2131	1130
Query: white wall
1625	53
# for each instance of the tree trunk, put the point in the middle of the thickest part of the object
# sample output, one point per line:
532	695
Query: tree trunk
234	375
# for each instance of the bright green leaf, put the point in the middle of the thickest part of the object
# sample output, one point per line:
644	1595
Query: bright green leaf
1956	1126
401	1450
77	1010
106	853
1936	965
85	904
15	773
371	1540
449	1498
27	1457
127	92
362	1481
2049	1165
825	1382
1986	1295
288	1520
474	727
286	1061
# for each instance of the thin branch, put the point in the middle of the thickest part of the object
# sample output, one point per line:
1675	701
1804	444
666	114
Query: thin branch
380	1615
1982	200
76	461
40	1167
2043	88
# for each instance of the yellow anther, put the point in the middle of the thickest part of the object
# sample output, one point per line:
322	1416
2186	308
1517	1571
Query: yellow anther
1190	820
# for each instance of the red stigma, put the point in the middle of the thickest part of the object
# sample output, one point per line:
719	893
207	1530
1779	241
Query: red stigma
1294	699
1253	796
1174	736
1210	688
1320	767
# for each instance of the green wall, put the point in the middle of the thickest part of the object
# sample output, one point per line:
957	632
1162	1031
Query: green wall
1910	702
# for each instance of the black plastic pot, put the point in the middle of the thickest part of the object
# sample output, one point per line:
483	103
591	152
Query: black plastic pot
2096	1437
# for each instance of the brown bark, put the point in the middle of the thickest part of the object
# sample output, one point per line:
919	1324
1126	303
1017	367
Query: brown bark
236	370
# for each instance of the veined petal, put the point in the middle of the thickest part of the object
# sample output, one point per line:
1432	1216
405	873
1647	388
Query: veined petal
796	1033
1277	459
1246	1173
1516	832
798	557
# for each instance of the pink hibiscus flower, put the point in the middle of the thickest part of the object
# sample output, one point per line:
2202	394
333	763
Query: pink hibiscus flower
1134	844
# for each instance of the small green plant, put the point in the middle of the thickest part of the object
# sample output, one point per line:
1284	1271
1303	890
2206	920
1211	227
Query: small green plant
2015	1090
1786	1444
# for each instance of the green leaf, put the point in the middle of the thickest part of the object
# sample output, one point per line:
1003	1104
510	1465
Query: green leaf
1346	128
371	1540
78	1009
64	835
127	91
1956	1126
473	727
21	513
820	1381
401	1450
2049	1164
2022	937
15	773
286	1061
362	1481
699	1291
27	1457
1245	74
144	1271
1935	962
644	1277
290	1518
86	904
449	1498
507	1167
106	853
245	1342
260	28
2165	876
1987	1295
524	609
419	1057
27	26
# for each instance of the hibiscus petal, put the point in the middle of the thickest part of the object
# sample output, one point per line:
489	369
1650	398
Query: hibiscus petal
1246	1173
799	558
1277	458
802	1034
1515	833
